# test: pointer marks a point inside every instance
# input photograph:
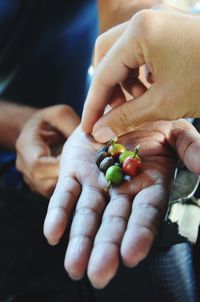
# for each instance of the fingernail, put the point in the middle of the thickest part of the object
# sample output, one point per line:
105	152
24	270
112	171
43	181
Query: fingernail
104	134
52	243
75	278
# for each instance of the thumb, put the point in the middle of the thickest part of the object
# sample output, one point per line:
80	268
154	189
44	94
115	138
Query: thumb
130	115
186	141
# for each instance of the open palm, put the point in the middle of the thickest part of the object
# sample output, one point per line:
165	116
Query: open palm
122	222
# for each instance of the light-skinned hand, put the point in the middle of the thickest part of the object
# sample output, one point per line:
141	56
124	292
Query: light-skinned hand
167	42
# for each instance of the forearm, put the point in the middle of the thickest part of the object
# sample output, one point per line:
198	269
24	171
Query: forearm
12	119
113	12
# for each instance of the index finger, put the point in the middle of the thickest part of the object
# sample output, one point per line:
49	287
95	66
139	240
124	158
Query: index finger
114	68
148	210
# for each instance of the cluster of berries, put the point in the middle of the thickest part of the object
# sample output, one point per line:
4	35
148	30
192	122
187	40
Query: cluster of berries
115	161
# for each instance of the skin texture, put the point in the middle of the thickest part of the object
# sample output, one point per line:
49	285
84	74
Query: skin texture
12	119
114	12
124	222
39	146
166	42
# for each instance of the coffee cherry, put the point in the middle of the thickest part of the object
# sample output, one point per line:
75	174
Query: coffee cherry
116	149
116	162
100	156
126	154
114	175
106	163
131	165
102	149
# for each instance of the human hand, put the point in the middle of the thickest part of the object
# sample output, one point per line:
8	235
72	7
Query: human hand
37	157
126	220
167	42
113	12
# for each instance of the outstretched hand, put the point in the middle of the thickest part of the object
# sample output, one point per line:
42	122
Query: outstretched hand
125	220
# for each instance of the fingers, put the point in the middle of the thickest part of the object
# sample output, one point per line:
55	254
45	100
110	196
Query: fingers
134	241
148	208
40	170
186	140
127	117
140	42
38	167
104	259
60	208
37	146
40	174
105	41
84	227
62	117
45	187
114	68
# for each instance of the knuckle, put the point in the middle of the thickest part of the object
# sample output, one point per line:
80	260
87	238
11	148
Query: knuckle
86	211
63	107
100	49
141	19
64	110
100	46
142	24
56	110
100	42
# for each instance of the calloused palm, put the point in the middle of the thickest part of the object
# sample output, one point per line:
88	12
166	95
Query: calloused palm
123	221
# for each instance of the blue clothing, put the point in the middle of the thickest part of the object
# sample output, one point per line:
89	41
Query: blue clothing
50	50
45	51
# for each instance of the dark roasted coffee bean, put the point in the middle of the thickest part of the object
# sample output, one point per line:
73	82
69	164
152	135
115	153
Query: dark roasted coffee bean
100	156
103	149
106	163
